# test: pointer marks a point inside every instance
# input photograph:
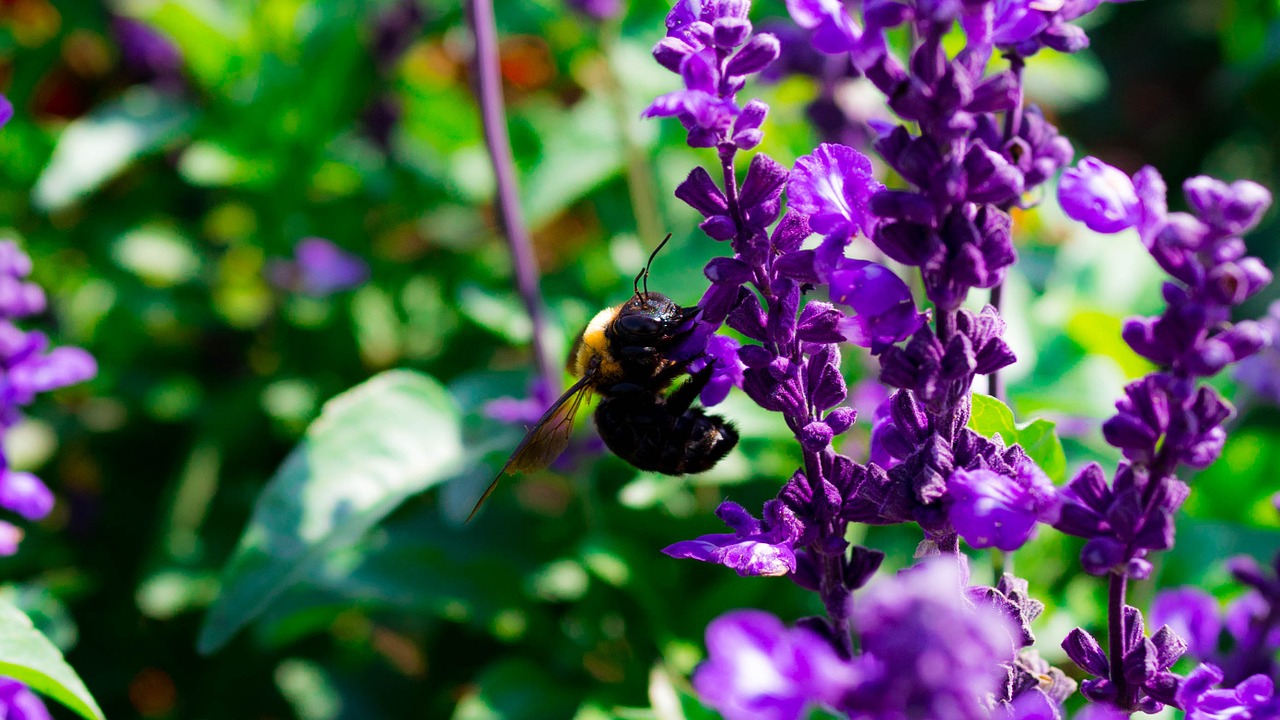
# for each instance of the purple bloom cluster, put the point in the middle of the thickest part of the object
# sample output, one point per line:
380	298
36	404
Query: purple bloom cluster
28	367
1166	419
928	652
967	151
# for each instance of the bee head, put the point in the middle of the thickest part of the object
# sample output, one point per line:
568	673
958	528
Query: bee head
651	319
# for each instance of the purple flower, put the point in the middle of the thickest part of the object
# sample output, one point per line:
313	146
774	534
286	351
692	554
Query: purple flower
28	367
927	651
1098	195
1252	699
6	110
885	312
17	702
989	509
320	269
834	32
758	669
833	186
722	351
754	547
24	494
1192	613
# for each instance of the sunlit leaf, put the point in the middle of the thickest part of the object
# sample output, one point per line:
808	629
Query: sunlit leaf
29	657
1038	437
92	149
371	448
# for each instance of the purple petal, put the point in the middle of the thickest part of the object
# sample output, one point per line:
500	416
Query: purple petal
1192	613
1098	195
833	185
24	494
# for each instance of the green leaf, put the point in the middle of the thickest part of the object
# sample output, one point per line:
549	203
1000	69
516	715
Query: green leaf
990	417
1039	437
373	446
29	657
92	149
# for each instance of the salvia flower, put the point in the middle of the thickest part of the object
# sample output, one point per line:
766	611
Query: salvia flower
927	652
319	268
754	547
28	367
989	509
759	669
1252	699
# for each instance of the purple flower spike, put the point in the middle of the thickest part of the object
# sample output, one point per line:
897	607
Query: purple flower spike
885	311
758	668
320	269
1192	613
17	702
754	548
1252	699
993	510
1098	195
834	185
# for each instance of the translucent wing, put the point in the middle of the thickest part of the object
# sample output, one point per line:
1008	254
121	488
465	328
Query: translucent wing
546	439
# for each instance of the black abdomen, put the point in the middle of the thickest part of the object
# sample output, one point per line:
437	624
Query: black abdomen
657	437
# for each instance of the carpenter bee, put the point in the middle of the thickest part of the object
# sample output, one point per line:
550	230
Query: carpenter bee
622	357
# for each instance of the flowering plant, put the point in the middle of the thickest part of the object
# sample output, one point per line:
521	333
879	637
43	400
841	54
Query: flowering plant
964	152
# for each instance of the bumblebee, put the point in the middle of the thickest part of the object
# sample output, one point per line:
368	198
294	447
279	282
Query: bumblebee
621	356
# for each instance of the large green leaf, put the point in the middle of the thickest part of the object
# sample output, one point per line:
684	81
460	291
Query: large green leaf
1039	437
29	657
373	446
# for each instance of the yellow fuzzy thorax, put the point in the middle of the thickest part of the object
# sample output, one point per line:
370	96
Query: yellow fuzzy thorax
594	344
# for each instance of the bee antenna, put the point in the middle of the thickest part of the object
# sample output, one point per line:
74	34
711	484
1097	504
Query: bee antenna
645	272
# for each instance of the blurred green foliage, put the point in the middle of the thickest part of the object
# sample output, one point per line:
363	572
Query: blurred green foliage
153	206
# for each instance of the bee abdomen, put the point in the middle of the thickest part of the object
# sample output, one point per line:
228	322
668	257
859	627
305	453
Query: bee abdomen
652	436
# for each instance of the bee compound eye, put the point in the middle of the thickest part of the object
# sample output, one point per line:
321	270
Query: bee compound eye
643	325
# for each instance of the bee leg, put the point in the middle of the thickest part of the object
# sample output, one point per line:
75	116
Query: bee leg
682	398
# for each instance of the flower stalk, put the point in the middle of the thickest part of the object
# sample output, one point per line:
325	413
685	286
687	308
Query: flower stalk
488	87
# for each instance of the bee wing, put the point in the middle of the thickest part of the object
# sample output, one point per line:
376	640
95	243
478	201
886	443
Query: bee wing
545	440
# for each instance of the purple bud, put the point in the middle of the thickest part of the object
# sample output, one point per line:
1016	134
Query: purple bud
1232	209
841	419
670	52
1098	195
757	55
730	32
24	494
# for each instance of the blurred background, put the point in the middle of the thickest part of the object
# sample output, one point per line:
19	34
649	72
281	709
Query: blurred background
169	168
